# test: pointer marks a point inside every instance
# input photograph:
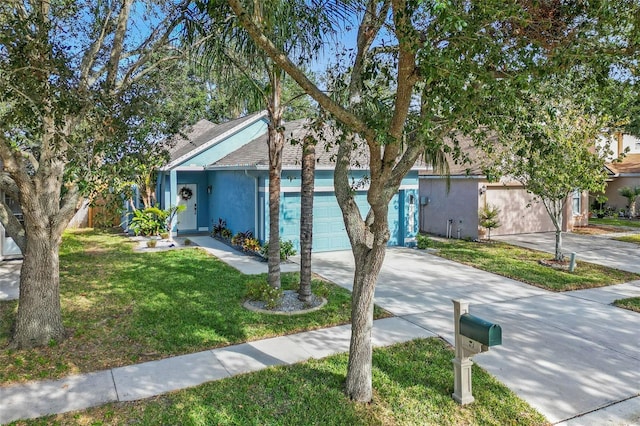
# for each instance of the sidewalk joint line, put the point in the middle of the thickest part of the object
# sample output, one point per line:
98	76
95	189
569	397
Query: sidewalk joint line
577	416
115	387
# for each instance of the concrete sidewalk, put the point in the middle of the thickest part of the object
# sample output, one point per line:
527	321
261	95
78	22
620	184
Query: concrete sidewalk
247	264
148	379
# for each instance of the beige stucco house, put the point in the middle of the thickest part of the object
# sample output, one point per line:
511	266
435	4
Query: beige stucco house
454	212
625	172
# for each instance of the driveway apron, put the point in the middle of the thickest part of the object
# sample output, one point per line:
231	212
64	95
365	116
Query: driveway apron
598	249
567	354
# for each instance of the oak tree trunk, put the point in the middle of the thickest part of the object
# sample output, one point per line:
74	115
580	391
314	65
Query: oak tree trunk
368	262
306	218
39	318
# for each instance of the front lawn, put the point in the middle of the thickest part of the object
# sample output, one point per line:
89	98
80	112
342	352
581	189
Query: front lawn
632	304
630	239
122	307
615	222
413	383
522	264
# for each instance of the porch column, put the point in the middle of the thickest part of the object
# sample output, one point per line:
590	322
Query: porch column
160	189
173	194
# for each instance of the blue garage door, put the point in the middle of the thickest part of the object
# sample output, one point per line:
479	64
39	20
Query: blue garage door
328	227
329	231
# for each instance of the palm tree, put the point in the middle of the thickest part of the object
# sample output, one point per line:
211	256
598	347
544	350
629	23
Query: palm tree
631	194
227	50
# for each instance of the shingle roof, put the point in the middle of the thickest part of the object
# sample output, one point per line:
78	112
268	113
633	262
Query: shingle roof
629	164
200	133
477	158
256	154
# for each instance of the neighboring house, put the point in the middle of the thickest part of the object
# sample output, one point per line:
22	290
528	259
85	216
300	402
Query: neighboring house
8	248
454	212
222	172
625	172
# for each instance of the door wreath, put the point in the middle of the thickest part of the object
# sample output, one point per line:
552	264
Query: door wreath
185	193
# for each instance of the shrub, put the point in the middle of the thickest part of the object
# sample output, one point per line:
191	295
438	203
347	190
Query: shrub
240	237
488	218
226	233
423	241
251	244
262	291
150	221
286	249
219	227
153	221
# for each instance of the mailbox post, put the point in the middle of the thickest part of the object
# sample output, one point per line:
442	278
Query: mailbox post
472	335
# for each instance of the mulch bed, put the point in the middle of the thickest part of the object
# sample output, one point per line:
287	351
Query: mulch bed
562	265
596	230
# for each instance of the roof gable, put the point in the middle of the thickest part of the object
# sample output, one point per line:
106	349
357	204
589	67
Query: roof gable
207	142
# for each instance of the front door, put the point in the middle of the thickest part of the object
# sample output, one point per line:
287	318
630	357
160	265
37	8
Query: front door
188	196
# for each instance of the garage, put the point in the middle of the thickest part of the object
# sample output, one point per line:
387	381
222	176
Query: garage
329	231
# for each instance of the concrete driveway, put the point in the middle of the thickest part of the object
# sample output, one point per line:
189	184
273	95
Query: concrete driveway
567	354
10	279
598	249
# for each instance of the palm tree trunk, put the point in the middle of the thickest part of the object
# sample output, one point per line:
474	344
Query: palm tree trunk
276	144
306	218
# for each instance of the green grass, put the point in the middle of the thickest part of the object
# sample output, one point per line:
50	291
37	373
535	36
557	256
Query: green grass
413	383
630	239
522	264
614	221
632	304
121	307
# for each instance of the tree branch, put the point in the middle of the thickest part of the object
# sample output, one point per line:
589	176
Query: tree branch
90	56
285	63
8	185
68	207
118	43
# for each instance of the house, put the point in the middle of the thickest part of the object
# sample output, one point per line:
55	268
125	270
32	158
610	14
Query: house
8	248
454	212
222	172
623	173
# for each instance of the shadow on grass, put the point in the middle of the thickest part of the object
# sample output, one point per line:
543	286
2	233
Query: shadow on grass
412	385
121	307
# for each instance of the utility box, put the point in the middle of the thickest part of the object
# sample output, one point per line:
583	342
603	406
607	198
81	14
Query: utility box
473	335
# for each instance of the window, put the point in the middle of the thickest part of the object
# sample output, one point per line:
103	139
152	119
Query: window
576	202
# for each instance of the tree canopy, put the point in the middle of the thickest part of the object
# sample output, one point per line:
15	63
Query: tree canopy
420	71
78	88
